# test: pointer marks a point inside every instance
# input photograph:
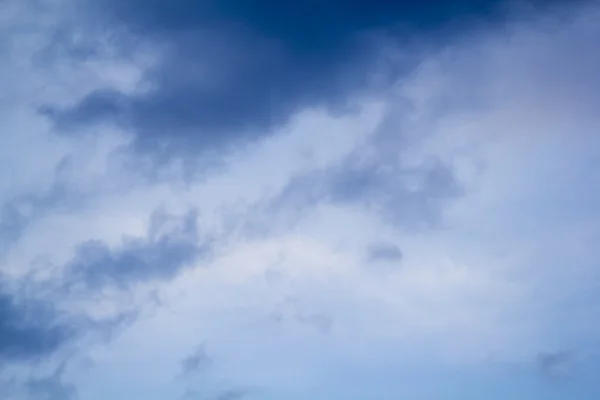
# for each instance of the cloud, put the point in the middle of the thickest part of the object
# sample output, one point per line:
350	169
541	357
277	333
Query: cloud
38	326
197	361
408	197
421	190
384	251
22	210
228	71
159	256
30	329
466	169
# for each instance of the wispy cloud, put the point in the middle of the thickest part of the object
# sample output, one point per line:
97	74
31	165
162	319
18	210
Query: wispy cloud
161	256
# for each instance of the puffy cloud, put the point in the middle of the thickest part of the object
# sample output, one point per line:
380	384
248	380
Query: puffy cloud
236	70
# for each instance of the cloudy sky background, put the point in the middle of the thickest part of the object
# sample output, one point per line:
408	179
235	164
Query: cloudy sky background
225	200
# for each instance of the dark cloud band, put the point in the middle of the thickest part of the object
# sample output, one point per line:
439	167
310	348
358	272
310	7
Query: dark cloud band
231	70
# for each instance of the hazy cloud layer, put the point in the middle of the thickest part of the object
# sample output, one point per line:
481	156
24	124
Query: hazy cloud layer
270	200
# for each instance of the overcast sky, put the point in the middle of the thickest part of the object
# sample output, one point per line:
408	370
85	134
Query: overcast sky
303	199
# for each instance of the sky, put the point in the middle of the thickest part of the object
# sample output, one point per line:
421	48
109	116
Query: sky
303	199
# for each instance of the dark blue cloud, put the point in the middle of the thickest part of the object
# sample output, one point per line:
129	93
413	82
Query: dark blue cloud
29	329
32	329
304	25
172	243
237	68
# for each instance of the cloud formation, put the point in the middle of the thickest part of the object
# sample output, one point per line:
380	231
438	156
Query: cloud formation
227	70
29	329
340	199
160	256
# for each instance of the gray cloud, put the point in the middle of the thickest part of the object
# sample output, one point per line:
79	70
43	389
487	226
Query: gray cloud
231	70
409	198
160	255
30	328
34	326
384	251
197	361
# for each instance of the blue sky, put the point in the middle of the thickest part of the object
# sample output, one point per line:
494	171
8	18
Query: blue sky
226	200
